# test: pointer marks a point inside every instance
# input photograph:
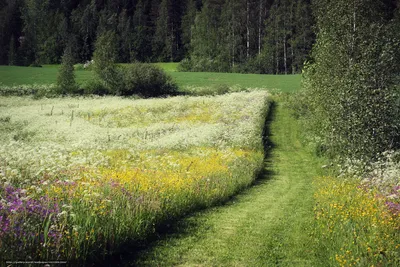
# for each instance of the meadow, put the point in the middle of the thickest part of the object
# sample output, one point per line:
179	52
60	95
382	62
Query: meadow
12	75
82	176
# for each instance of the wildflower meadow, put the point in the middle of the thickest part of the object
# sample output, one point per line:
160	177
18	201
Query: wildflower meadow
81	176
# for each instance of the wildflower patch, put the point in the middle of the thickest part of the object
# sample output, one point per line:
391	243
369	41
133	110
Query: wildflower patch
94	173
355	224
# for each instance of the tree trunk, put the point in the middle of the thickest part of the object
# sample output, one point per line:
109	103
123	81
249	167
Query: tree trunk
293	65
248	29
259	27
284	54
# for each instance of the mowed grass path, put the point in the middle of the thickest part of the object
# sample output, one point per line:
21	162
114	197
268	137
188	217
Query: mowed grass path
12	75
267	225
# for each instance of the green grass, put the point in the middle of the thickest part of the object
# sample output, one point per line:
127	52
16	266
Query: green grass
171	66
269	224
12	75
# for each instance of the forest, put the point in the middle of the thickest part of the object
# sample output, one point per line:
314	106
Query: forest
257	36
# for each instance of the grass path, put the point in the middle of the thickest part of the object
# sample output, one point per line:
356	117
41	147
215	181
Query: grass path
266	225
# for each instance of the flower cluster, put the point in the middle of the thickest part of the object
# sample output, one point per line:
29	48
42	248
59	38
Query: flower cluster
355	224
88	64
81	176
21	218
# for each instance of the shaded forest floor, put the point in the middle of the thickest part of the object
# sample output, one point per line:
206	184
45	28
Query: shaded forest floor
269	224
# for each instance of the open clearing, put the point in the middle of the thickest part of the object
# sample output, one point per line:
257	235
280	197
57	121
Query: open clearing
11	75
269	224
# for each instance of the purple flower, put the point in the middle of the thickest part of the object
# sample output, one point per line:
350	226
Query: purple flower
393	207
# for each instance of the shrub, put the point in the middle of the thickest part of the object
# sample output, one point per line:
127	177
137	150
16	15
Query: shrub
185	65
36	90
146	80
95	87
78	66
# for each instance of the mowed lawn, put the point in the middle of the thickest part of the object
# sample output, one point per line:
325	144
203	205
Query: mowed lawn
13	75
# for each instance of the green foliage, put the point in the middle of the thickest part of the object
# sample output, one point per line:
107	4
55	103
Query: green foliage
353	101
185	65
147	80
104	58
162	42
35	90
95	87
66	76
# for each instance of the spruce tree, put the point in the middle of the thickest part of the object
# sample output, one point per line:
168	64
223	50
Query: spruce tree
66	76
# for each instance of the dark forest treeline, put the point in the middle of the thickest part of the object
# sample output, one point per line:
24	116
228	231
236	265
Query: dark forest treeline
263	36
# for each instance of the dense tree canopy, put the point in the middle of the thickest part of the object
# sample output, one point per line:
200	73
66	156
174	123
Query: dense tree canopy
265	36
352	86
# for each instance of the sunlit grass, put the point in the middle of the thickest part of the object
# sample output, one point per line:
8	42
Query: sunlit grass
81	176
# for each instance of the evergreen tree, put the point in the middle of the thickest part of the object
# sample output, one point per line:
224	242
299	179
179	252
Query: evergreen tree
66	76
125	32
303	35
188	20
85	21
141	36
162	42
34	14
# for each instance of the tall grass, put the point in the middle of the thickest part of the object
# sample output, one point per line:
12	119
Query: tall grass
355	224
90	174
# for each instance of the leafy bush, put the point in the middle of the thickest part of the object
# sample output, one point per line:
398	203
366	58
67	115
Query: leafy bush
198	64
185	65
95	87
147	80
257	64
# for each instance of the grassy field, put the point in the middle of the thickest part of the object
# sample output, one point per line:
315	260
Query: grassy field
82	176
270	224
11	75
